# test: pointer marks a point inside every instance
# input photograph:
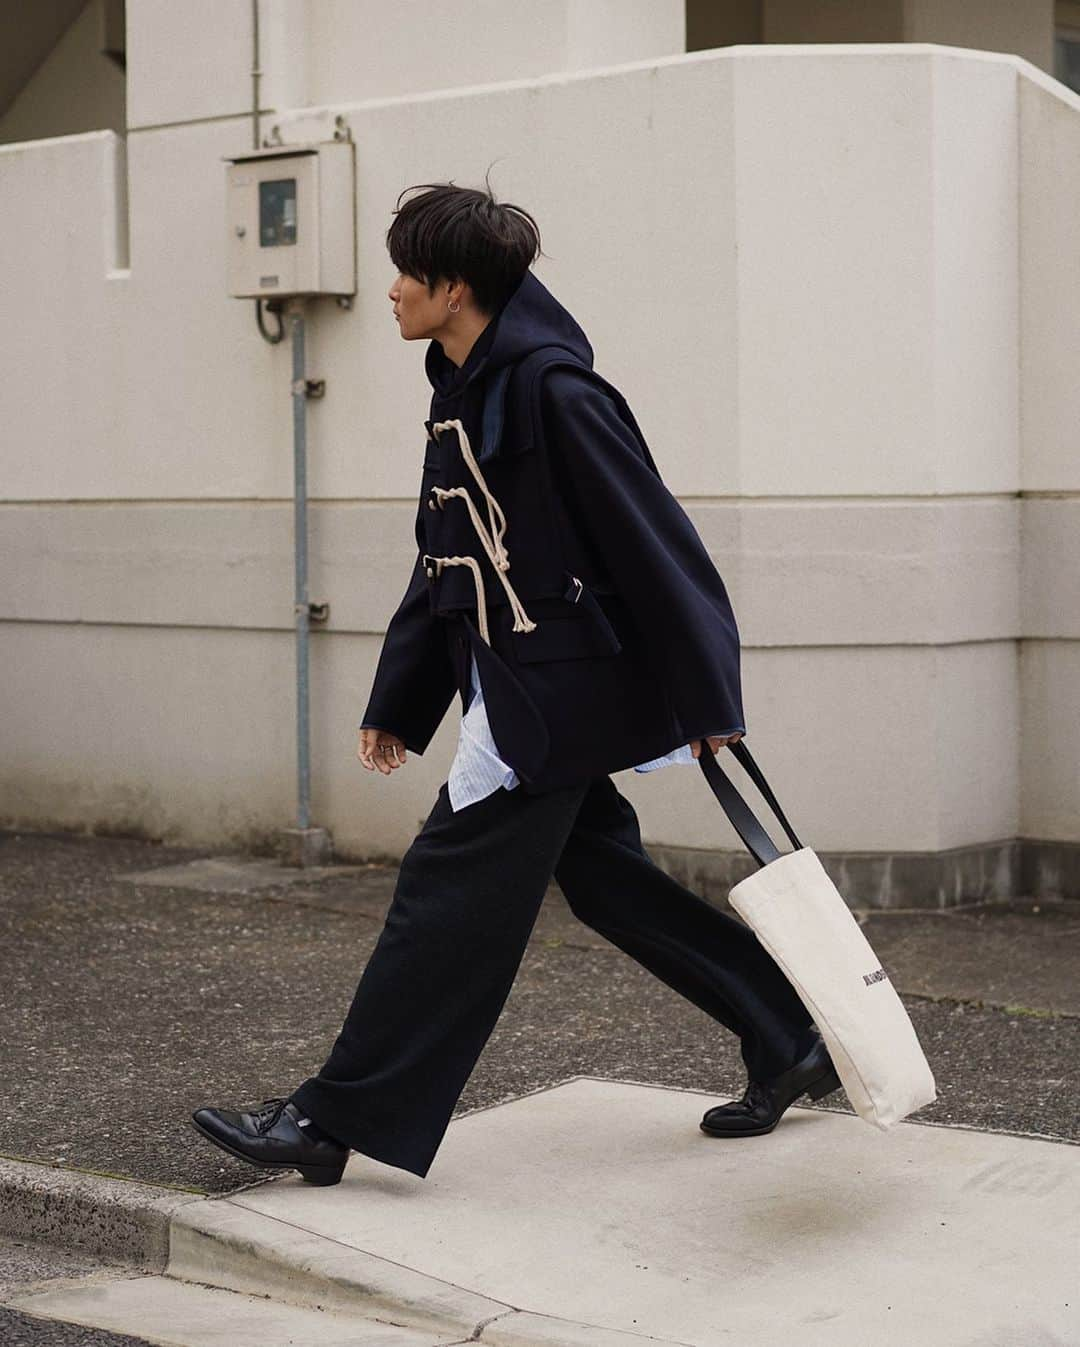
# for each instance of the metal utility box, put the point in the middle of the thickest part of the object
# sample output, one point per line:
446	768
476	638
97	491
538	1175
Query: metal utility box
290	220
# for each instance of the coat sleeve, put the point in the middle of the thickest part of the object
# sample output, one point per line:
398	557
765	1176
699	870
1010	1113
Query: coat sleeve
649	548
415	680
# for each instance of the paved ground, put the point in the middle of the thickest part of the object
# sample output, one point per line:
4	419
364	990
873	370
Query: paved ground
138	982
27	1265
127	1005
944	1236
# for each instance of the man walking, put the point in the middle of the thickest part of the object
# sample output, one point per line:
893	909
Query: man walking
562	592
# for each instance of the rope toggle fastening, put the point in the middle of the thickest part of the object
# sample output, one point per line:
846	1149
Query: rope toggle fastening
492	542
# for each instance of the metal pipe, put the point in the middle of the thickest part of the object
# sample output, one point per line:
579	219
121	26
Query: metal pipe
300	549
255	73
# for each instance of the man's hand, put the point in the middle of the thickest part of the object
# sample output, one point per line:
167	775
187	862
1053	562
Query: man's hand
379	749
716	742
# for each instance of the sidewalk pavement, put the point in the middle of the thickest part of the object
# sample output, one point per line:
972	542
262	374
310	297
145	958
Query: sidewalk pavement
574	1200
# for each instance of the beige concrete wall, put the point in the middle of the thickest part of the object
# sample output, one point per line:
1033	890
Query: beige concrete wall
340	51
76	88
827	279
1049	149
1023	29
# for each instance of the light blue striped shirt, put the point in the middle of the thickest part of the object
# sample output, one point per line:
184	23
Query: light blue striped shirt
477	769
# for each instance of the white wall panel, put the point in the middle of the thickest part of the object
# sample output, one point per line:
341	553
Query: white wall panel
836	283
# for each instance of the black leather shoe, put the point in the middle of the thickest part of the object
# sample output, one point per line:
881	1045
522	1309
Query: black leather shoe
764	1102
270	1135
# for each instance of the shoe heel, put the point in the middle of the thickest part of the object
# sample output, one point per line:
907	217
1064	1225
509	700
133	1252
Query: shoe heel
824	1085
322	1175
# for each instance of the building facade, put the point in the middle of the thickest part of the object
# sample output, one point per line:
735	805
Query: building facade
846	245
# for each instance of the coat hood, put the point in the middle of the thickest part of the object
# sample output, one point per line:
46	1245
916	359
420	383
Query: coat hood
530	318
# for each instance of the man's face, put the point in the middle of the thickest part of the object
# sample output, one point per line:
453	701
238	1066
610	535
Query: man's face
419	315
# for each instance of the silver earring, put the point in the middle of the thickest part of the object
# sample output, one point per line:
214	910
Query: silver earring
453	308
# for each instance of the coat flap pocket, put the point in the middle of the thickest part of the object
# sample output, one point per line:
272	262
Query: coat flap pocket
574	636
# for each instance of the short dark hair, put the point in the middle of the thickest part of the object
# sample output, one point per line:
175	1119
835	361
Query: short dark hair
455	232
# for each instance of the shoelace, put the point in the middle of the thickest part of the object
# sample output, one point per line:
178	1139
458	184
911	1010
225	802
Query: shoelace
267	1114
757	1093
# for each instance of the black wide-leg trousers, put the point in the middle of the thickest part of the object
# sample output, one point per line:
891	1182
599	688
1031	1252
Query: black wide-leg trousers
467	897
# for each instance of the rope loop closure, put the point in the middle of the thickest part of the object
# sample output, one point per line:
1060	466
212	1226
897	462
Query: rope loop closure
491	539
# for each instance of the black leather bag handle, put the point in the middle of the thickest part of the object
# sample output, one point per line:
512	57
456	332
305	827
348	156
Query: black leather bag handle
743	820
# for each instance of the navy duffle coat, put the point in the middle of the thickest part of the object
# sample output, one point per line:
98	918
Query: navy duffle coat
548	544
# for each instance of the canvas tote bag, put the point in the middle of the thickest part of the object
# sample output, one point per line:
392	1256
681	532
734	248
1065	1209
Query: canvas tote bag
800	917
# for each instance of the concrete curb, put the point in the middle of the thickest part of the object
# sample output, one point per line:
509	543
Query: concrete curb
219	1243
215	1242
525	1329
114	1218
